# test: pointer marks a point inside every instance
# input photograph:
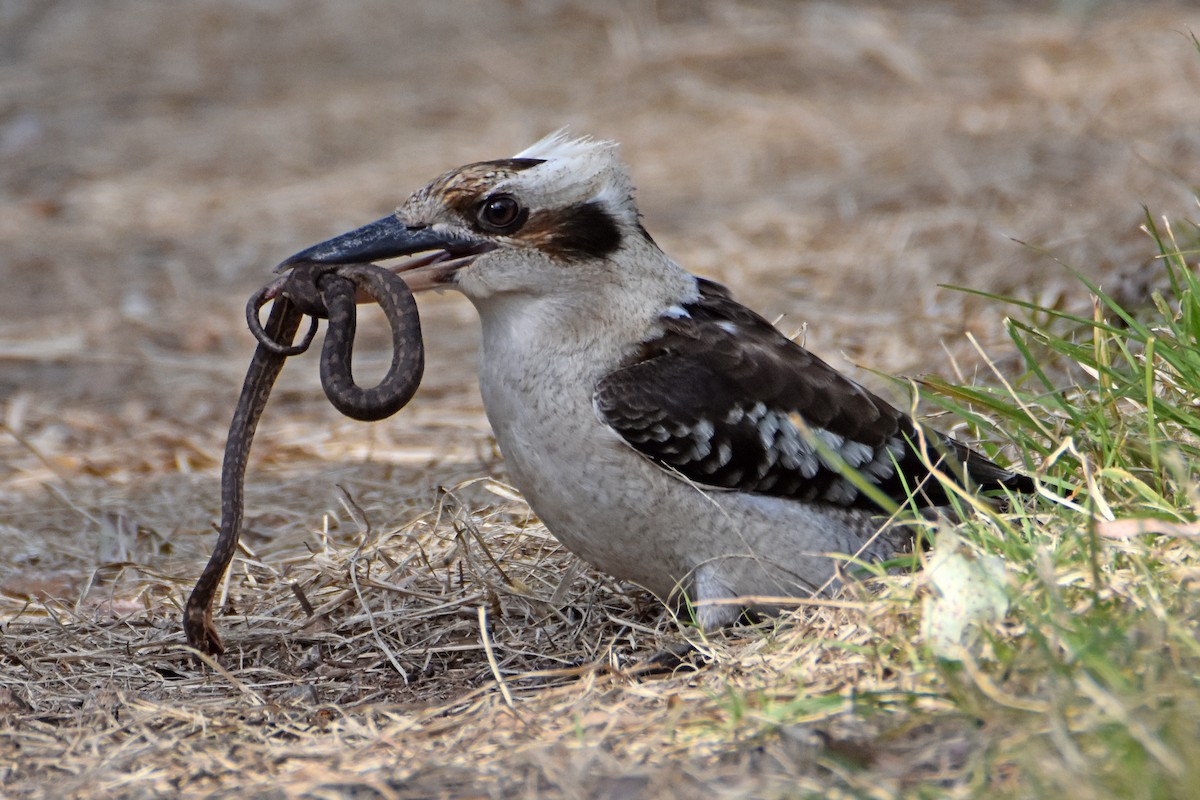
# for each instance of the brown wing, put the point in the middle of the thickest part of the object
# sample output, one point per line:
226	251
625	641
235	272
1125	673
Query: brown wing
727	401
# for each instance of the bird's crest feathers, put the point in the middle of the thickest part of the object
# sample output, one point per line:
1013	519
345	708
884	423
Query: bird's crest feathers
579	170
559	145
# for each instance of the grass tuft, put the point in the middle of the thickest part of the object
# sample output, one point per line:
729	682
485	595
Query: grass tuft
1088	687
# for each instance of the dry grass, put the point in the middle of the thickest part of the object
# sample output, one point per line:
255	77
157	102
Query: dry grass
461	647
464	644
833	162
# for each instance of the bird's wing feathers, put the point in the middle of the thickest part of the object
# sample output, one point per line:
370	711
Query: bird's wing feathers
724	399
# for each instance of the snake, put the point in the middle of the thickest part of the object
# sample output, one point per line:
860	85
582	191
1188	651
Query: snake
317	291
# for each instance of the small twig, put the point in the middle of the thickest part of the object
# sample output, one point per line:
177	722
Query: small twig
491	656
302	599
797	602
387	651
216	666
356	511
47	463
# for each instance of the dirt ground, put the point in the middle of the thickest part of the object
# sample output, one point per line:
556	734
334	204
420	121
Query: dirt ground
834	163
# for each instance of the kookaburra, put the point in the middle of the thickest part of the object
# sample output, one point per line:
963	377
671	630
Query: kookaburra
662	431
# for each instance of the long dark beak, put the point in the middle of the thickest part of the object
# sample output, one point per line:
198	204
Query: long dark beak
390	238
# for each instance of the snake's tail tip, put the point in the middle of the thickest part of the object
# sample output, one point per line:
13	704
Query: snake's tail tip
201	633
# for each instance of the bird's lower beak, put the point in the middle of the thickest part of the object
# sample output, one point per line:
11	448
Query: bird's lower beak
390	237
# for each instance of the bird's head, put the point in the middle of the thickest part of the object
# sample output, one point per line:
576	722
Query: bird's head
551	220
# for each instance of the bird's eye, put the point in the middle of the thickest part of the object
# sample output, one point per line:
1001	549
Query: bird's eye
501	213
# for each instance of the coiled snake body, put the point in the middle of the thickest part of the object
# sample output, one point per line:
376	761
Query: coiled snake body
318	291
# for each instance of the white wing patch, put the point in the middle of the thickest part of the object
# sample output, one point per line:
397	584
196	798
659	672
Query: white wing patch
728	327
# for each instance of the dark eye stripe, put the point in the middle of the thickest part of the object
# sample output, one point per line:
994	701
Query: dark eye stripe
581	231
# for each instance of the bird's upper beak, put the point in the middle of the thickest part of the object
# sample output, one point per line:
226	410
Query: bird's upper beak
391	237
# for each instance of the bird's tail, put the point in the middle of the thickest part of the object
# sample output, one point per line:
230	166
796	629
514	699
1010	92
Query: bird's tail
990	475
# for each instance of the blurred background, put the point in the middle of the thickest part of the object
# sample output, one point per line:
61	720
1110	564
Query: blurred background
833	162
